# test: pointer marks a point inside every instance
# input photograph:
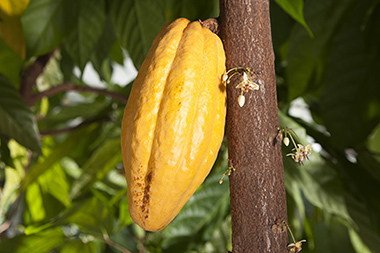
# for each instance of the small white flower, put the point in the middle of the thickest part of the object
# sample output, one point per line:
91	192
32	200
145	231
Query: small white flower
296	247
247	84
241	100
301	153
307	151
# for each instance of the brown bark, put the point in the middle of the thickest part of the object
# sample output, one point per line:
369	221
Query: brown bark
258	199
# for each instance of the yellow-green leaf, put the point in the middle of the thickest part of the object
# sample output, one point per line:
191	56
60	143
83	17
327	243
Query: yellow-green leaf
12	7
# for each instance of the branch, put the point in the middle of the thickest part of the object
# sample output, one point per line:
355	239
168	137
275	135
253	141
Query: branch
257	188
32	72
211	24
30	75
72	87
106	239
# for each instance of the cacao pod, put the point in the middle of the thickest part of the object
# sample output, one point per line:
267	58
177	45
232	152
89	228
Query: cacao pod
173	123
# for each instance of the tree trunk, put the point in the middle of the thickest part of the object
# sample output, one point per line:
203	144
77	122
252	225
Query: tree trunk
258	199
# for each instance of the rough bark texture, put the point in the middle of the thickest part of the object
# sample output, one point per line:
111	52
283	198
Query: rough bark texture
258	199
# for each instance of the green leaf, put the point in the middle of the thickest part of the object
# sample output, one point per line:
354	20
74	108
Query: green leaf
47	195
363	224
330	236
301	214
281	25
350	105
369	162
191	9
44	241
373	141
357	242
295	9
104	45
5	153
59	152
221	239
360	179
10	63
13	177
320	184
93	216
79	246
67	65
81	41
306	55
116	53
137	23
126	238
363	186
46	23
105	158
16	120
83	110
124	217
203	213
35	211
55	183
317	178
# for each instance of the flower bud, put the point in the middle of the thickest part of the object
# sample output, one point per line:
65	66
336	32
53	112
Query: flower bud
225	77
241	100
286	141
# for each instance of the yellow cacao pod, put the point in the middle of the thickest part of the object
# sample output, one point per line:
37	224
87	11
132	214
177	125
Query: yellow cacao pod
173	123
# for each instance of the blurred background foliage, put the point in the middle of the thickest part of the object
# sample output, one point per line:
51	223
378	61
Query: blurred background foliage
62	186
